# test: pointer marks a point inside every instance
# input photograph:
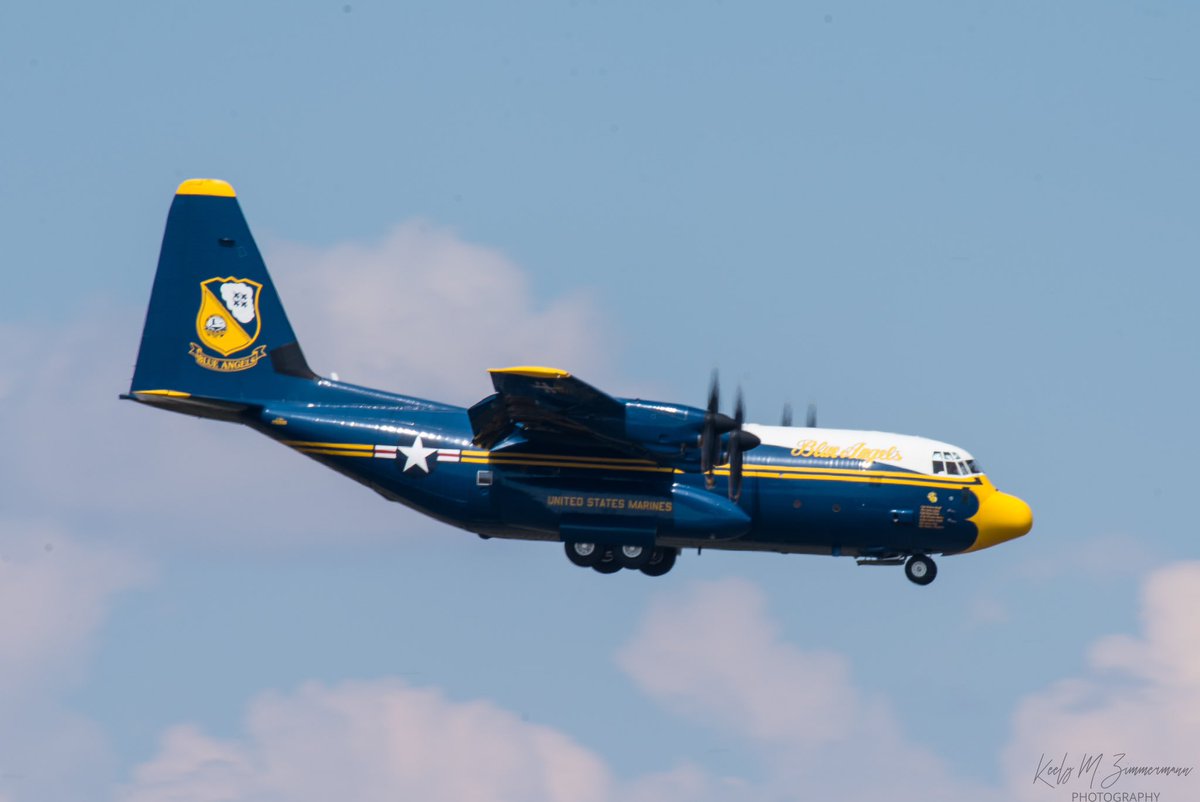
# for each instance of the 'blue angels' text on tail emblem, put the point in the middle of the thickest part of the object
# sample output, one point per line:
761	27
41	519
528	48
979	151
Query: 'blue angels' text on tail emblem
228	323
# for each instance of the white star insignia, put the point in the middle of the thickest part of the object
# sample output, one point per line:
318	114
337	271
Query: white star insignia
416	454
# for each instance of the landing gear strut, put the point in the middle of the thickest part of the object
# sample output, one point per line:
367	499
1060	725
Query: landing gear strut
920	569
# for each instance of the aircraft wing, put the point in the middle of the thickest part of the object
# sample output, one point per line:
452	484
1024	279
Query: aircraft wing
554	406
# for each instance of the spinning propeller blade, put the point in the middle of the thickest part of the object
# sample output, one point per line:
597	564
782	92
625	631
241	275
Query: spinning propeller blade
715	424
739	442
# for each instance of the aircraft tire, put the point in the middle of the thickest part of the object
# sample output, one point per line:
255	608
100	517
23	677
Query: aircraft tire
633	557
606	561
920	569
661	560
582	554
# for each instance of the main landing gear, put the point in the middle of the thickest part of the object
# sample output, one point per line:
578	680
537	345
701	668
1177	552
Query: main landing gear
920	569
610	559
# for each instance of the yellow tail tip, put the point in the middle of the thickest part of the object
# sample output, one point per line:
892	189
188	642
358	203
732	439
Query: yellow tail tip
206	186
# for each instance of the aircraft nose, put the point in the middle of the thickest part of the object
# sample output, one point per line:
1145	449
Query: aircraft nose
1001	517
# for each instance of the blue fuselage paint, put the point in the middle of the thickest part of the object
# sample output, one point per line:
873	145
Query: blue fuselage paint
527	491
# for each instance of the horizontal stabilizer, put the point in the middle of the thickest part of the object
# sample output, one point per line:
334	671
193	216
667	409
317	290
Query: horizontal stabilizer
188	404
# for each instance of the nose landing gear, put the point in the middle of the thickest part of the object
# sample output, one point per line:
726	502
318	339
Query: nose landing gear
920	569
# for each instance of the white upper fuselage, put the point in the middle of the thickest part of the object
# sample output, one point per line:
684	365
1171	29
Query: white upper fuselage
878	449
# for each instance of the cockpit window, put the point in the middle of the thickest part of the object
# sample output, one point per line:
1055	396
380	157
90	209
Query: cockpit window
952	463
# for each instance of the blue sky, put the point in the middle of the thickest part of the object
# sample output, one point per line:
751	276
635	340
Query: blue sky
967	221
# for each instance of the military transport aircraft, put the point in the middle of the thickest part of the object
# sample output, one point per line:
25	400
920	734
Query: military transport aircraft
622	483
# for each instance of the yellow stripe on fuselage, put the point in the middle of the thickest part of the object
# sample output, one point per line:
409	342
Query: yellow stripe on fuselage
341	446
756	470
501	456
548	463
332	452
875	478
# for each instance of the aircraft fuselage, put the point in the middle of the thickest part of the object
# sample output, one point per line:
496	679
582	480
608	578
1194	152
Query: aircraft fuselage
802	491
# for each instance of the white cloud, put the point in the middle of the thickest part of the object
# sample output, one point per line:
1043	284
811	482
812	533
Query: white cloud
55	593
387	740
420	312
424	312
714	655
79	457
1100	557
382	740
985	611
96	463
1139	696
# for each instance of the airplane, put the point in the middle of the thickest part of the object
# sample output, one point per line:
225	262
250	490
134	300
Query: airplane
621	483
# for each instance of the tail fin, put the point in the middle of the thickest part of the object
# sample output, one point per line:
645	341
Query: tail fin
215	328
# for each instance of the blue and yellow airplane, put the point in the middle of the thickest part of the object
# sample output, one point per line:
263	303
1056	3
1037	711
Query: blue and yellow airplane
622	483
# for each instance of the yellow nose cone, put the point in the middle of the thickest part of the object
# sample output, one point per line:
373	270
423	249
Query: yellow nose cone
1001	517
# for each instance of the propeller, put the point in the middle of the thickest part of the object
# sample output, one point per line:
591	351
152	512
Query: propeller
810	419
738	443
715	425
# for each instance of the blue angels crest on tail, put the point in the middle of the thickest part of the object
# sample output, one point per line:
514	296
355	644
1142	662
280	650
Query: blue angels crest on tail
228	322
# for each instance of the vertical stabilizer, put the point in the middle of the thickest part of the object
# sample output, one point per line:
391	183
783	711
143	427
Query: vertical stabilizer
215	328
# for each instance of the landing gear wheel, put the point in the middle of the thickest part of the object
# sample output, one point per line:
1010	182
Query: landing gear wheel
920	569
633	557
606	560
582	554
661	560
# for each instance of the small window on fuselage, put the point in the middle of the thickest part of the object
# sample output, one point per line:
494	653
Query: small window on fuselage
939	465
952	468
